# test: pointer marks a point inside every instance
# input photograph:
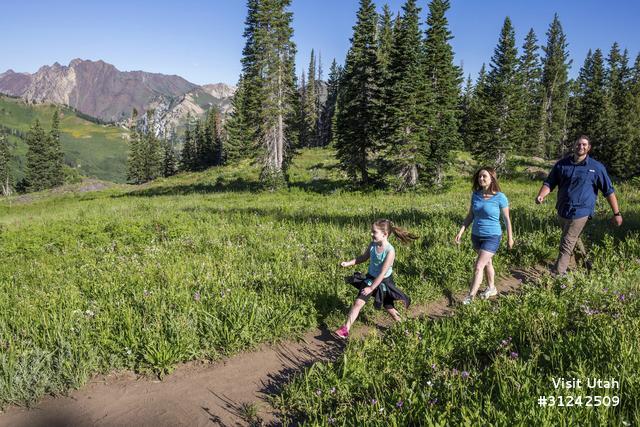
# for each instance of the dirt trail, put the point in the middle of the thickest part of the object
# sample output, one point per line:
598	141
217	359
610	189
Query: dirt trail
233	392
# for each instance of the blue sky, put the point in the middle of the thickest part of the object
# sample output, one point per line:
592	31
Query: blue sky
202	40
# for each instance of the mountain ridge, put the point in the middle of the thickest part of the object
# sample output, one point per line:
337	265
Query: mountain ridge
98	89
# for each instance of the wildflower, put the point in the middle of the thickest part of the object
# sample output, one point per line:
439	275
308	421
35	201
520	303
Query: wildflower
331	420
146	293
429	383
333	390
196	296
89	313
399	404
563	286
455	371
374	401
621	297
433	401
513	355
318	392
381	410
433	366
465	374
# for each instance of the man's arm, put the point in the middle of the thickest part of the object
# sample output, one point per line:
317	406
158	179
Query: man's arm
613	202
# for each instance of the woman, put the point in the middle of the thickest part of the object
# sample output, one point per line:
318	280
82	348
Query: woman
487	202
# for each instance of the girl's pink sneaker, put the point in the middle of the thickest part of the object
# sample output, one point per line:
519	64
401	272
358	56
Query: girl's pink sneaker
342	332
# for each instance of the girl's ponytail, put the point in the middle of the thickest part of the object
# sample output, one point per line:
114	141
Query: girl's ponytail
388	227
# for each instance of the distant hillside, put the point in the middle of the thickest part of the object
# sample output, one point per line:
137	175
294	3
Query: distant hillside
97	150
100	90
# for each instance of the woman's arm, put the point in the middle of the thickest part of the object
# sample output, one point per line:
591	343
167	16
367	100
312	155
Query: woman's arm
388	262
357	260
467	220
507	220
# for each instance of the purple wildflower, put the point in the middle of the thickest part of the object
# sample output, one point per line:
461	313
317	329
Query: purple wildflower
331	420
455	371
513	355
374	401
433	366
563	286
196	296
333	390
621	297
465	374
399	404
318	392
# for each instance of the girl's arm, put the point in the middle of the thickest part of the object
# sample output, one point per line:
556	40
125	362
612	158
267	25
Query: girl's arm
507	220
468	220
388	262
358	260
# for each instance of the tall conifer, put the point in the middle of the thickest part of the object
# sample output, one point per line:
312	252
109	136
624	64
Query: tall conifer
37	169
6	181
531	73
443	89
356	127
555	85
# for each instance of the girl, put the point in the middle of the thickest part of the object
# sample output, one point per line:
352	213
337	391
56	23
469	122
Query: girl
486	204
378	280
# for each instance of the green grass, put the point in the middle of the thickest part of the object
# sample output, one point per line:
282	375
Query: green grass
202	265
98	150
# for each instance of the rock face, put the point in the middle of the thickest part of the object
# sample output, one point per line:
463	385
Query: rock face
100	90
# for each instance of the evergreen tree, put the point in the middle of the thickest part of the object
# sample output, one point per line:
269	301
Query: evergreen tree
407	150
466	100
594	108
555	86
479	116
134	159
37	168
189	154
356	128
237	142
169	157
152	153
623	129
309	106
505	99
443	91
6	181
327	114
277	118
55	156
531	73
634	94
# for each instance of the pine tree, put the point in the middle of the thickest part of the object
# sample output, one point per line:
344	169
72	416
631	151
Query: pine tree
6	181
356	128
531	73
443	89
505	98
466	100
592	118
152	153
327	120
169	157
309	106
37	169
134	159
634	94
623	129
55	174
237	141
407	150
189	155
381	109
479	115
555	96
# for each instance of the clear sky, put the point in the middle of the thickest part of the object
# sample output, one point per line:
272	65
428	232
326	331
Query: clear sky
201	40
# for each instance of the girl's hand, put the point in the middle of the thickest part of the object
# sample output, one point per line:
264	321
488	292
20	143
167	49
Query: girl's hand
366	291
344	264
510	243
458	237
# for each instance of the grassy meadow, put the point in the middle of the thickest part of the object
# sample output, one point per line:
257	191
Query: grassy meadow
204	265
98	151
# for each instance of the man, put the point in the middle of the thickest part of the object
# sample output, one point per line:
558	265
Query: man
578	178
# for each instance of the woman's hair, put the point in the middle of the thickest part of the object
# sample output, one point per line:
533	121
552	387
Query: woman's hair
494	187
387	226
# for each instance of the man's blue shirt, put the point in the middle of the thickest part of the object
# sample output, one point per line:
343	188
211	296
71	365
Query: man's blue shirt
578	185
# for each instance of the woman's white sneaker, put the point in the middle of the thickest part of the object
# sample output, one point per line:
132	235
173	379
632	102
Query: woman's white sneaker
490	292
